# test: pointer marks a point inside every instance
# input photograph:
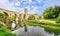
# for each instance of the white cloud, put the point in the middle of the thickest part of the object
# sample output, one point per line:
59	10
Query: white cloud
17	3
34	9
31	5
39	1
11	6
30	0
22	9
6	5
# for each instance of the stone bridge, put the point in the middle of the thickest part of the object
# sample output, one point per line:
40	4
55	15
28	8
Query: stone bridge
11	13
21	16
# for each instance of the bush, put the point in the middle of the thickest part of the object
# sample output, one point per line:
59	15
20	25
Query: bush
58	20
5	32
31	17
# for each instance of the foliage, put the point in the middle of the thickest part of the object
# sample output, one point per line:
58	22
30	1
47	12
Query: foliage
5	32
48	13
31	17
52	12
56	11
58	20
32	22
47	26
13	18
2	16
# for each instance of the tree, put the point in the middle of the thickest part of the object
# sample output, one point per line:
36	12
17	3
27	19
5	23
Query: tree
6	16
52	12
31	17
58	20
48	13
2	17
13	18
56	11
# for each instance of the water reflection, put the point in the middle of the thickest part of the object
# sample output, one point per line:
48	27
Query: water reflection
34	31
53	33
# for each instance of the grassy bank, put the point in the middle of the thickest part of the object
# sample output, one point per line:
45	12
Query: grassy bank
5	32
53	27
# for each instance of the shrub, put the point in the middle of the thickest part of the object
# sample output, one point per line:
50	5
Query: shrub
31	17
5	32
58	20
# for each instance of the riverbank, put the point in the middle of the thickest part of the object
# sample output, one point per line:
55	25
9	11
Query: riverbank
55	27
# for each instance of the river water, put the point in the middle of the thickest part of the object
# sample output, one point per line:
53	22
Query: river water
33	31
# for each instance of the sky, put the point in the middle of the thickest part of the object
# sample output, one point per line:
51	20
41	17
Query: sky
33	6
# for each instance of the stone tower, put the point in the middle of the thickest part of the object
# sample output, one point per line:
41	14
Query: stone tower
25	13
26	10
25	18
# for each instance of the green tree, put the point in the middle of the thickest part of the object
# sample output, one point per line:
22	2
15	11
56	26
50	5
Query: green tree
48	13
13	18
31	17
2	17
56	11
52	12
58	20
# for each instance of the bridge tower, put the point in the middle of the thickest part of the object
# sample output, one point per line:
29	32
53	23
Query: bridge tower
25	13
25	18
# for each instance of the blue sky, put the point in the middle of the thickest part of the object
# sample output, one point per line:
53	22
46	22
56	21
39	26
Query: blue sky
34	6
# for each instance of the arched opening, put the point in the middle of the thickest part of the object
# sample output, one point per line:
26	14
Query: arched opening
3	16
5	13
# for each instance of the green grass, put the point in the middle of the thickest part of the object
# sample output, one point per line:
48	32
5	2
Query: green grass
52	19
48	26
5	32
43	22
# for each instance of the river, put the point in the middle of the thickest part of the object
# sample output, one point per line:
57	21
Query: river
33	31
